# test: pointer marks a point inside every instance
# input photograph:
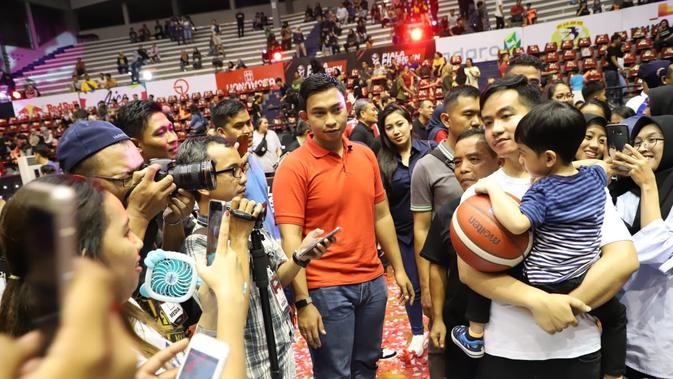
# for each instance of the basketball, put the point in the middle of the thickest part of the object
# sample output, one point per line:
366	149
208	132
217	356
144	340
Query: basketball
482	242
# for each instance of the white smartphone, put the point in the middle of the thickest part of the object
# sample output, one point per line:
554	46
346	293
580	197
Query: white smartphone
206	358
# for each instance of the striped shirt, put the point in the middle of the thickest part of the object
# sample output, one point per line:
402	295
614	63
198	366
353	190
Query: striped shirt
566	214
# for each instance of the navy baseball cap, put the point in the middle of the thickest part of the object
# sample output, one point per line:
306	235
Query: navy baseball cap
652	72
84	139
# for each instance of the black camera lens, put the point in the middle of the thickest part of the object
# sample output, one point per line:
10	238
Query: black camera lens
194	176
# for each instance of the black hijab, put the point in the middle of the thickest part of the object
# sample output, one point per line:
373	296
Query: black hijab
663	174
661	100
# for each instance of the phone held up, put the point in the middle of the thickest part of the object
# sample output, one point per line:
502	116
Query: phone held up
50	209
618	137
206	358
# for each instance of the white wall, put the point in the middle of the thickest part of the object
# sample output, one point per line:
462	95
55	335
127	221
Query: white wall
201	19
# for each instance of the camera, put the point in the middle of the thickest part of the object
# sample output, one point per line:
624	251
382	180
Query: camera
190	177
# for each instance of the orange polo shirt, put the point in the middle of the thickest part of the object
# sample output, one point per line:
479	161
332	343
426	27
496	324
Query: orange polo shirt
315	188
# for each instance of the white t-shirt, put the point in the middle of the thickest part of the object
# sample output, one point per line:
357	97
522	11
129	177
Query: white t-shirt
512	332
498	4
269	160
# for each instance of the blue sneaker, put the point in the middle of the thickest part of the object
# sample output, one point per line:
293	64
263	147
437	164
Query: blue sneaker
473	347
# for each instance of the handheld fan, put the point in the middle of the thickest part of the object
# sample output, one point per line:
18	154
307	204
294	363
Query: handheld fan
170	276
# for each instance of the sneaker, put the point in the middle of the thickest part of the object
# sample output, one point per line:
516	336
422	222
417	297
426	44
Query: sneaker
473	347
388	353
417	345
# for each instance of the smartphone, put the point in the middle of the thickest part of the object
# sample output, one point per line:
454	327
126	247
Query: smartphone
215	211
206	358
50	210
618	136
331	234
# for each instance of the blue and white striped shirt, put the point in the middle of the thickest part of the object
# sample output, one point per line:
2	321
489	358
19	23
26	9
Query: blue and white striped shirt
566	214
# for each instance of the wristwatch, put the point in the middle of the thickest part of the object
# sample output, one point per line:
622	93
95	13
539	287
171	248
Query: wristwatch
298	261
303	302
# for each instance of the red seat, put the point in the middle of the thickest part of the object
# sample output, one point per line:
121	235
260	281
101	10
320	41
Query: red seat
220	92
184	98
648	55
552	57
570	66
355	73
632	72
629	59
208	94
553	67
456	59
602	39
550	47
643	44
502	52
557	77
587	52
569	55
638	33
667	53
602	50
196	95
627	46
584	42
567	44
3	123
161	100
593	75
518	51
172	100
533	50
589	63
625	37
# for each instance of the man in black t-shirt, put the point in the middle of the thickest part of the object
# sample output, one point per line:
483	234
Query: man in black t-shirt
611	71
240	20
420	124
473	160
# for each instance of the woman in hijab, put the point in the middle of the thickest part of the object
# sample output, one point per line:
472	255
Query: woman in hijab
661	101
645	206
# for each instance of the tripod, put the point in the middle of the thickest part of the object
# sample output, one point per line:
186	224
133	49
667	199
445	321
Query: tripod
260	262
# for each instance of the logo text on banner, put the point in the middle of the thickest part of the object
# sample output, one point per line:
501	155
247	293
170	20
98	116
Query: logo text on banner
250	79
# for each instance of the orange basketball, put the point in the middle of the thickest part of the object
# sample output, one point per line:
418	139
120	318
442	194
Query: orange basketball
482	242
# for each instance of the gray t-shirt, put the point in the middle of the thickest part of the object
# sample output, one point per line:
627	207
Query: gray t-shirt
270	158
433	183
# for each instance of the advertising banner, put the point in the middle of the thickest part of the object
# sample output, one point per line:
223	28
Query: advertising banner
400	53
44	104
249	79
647	14
303	65
185	85
572	29
482	49
91	99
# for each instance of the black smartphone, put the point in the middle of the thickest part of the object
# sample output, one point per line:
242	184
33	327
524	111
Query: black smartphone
215	211
331	234
618	136
50	210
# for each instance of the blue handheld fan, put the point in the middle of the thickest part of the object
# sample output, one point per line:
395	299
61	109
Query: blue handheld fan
170	276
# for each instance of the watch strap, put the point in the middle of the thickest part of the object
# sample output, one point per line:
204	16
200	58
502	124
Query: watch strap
303	302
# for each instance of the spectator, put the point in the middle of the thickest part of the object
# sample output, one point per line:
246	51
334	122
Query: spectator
197	61
621	113
142	54
180	32
594	89
218	62
300	135
528	66
582	9
594	145
240	24
597	7
144	33
187	30
74	83
499	15
264	21
317	12
158	31
405	84
611	70
257	22
122	63
298	39
561	92
459	28
420	124
286	36
135	70
342	14
531	14
484	20
214	27
266	145
308	14
154	54
367	115
133	36
197	124
652	74
338	347
215	44
184	60
43	157
472	73
597	107
516	14
664	36
351	41
80	68
88	84
110	82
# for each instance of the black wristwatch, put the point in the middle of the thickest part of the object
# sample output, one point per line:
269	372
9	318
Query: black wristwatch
299	262
303	302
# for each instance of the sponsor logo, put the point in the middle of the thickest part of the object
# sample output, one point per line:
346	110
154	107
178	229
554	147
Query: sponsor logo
512	41
181	87
483	231
570	30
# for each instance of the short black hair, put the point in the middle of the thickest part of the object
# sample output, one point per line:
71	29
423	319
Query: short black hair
80	114
591	89
552	88
316	83
552	126
599	103
301	128
623	111
455	93
132	118
481	134
615	36
529	95
525	60
195	150
43	150
223	111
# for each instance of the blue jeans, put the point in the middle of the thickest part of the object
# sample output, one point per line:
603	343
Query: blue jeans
414	312
353	318
612	80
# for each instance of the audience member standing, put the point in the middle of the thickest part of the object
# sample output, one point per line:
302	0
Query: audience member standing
472	73
367	115
420	124
516	13
611	71
80	68
266	146
240	24
499	14
298	39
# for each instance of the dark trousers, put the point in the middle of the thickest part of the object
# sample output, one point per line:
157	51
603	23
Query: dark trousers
612	315
499	22
635	374
241	29
584	367
613	90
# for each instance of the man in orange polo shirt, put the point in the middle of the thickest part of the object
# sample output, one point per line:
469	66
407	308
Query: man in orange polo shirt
329	181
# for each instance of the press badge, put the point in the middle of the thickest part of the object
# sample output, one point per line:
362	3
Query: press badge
277	289
172	311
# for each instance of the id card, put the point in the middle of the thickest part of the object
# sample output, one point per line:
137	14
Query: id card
277	289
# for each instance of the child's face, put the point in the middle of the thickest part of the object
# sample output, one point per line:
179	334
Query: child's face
535	164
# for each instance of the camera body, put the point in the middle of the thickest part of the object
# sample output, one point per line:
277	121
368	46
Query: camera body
190	177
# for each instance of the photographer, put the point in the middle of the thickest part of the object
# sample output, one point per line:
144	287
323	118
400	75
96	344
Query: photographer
231	181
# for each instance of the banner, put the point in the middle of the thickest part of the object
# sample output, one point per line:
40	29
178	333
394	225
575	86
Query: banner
249	79
400	53
45	104
91	99
303	65
483	47
184	85
647	14
572	29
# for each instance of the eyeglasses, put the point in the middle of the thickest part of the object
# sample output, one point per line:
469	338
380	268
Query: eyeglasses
649	142
122	182
236	172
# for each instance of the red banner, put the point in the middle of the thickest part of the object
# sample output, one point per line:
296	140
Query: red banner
250	79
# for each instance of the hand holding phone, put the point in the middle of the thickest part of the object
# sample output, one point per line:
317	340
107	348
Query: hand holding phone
618	137
206	358
311	245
